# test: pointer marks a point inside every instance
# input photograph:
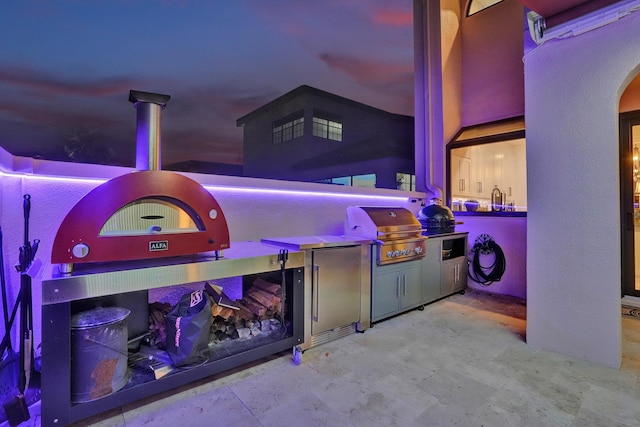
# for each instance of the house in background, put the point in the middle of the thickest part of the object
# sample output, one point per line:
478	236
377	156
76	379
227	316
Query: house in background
199	166
311	135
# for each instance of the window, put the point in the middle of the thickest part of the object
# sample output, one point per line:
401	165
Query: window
342	180
406	182
288	128
476	6
367	180
326	125
487	164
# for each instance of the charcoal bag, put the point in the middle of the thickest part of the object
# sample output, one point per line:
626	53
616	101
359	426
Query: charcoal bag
188	326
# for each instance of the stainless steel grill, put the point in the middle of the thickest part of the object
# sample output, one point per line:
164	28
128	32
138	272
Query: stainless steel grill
396	231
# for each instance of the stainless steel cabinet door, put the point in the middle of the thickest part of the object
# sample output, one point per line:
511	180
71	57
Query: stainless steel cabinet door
335	286
411	287
431	271
385	294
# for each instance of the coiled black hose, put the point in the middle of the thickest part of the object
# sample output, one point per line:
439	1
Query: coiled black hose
486	275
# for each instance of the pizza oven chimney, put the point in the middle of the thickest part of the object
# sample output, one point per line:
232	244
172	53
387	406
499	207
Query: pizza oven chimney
149	108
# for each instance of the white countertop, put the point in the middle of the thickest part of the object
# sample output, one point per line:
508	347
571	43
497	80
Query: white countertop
313	242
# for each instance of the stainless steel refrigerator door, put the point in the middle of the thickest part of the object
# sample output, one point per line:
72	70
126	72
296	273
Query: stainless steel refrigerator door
335	288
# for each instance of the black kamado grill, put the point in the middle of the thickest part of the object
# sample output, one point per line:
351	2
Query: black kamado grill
436	219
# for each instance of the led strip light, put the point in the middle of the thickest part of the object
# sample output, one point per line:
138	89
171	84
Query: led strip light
218	188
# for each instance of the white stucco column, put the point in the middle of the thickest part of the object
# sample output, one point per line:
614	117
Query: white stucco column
572	92
429	129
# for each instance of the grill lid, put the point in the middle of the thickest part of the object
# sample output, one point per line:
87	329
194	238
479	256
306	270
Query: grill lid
383	223
437	219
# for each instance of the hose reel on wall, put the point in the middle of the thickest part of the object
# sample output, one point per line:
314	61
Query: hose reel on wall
486	249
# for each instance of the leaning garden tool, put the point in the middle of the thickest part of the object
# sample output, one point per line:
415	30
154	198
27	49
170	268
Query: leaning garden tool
16	408
26	316
10	363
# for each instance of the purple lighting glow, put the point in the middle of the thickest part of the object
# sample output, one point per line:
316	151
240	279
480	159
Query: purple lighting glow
217	188
302	193
29	176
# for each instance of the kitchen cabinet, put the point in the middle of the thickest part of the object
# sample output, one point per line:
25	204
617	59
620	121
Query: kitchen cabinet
477	173
395	288
444	266
519	180
337	285
431	273
460	176
454	276
335	288
498	173
454	267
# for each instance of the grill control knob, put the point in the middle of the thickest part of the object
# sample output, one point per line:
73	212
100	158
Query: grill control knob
396	253
418	250
80	250
390	254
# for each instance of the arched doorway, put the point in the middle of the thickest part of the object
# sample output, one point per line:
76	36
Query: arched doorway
630	223
630	189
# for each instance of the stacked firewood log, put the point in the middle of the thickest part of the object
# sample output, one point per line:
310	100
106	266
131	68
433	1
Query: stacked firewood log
257	312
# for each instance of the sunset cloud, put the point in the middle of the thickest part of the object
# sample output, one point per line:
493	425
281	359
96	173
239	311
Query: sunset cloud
46	83
218	63
368	71
393	17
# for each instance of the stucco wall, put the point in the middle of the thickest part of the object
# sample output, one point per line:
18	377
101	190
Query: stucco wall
510	233
572	92
492	69
451	46
254	208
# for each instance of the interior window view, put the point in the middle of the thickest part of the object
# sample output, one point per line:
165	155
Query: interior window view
489	177
363	213
488	168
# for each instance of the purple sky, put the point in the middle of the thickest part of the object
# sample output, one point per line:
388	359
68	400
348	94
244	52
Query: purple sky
66	68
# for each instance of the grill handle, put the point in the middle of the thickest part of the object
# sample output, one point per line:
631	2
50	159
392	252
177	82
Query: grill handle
424	230
315	284
412	231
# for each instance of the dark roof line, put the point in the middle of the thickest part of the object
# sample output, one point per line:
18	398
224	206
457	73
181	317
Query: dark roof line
305	89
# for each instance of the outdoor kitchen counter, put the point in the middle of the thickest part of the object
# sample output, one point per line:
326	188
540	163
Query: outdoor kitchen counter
65	294
337	285
315	242
115	278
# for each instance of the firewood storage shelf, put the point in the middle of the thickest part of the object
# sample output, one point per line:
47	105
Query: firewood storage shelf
60	291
